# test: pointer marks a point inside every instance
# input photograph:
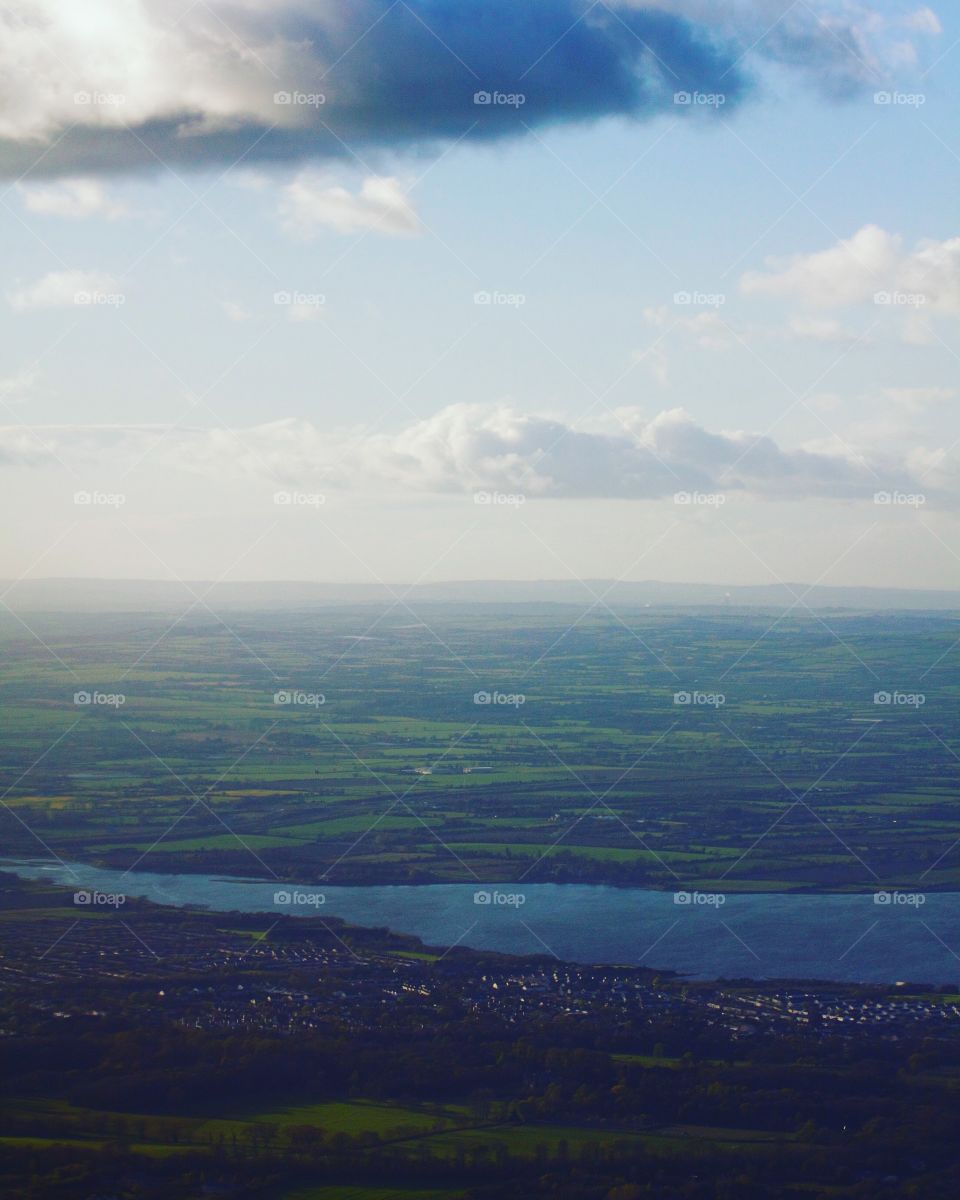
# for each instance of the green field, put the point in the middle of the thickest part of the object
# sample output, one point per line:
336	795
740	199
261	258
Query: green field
798	781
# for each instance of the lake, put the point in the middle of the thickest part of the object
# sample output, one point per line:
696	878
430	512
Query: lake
830	937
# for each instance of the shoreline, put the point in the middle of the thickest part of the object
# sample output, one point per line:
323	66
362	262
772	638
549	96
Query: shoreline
741	888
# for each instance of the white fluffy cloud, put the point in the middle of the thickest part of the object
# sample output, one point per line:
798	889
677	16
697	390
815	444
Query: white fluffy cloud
310	203
464	448
856	269
75	198
847	273
109	63
62	289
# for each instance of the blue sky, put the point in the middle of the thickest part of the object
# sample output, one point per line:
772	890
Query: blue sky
784	398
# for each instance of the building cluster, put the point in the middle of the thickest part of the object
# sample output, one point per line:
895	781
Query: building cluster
208	978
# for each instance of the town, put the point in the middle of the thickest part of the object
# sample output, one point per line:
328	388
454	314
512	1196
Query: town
303	973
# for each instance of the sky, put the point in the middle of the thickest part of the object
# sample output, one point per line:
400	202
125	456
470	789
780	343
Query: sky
448	290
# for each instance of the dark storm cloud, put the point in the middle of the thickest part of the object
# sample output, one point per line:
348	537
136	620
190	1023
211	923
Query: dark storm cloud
200	90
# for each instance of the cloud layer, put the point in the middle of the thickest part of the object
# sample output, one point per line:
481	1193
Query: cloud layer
465	448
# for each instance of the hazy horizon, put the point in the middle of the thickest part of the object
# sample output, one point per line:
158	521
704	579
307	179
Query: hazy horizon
586	595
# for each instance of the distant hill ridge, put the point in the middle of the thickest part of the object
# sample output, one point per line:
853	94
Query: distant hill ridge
135	595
